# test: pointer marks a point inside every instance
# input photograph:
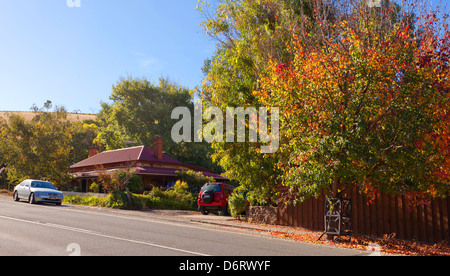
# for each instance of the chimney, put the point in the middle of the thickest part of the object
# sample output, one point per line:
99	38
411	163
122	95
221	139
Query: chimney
93	152
157	147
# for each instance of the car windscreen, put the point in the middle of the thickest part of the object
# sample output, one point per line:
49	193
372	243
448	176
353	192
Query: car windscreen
42	184
212	187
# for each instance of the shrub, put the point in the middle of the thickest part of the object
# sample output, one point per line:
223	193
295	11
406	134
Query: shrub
94	187
87	200
177	198
237	204
194	180
119	200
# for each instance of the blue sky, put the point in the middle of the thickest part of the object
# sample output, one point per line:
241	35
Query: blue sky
73	56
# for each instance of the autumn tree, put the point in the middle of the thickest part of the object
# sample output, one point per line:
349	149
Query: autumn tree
37	149
364	102
247	32
362	92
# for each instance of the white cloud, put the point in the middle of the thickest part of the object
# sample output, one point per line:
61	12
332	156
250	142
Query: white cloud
147	63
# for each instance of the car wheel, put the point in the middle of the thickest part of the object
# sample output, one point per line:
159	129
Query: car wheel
204	211
16	196
31	200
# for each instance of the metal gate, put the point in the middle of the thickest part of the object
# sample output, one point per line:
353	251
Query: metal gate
337	216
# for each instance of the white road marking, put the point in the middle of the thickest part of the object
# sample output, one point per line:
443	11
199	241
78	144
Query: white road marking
89	232
151	220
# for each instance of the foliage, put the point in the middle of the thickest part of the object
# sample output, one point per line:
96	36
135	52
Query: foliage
362	94
83	135
45	146
120	180
247	33
124	200
386	245
94	187
195	180
141	110
251	169
87	200
115	200
237	204
127	180
178	198
38	149
3	180
364	102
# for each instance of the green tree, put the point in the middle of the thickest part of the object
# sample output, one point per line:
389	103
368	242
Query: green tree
83	139
38	149
266	45
248	33
140	110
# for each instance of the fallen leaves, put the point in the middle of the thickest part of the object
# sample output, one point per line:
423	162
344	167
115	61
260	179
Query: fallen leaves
388	244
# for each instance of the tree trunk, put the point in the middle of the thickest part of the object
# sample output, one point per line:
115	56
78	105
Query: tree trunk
335	186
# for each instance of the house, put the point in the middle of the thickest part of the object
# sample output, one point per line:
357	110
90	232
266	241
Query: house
154	167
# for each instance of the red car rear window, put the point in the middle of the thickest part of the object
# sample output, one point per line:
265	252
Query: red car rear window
212	187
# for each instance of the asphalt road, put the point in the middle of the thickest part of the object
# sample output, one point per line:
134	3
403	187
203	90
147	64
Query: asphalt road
46	230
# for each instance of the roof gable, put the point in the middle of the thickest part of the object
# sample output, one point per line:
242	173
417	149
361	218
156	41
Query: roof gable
134	154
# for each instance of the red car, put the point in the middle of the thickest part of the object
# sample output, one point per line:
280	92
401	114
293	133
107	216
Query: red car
214	197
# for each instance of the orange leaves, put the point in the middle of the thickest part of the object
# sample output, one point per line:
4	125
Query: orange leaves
368	100
387	245
370	191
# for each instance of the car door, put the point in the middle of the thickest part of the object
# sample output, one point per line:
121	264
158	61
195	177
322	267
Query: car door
19	189
26	190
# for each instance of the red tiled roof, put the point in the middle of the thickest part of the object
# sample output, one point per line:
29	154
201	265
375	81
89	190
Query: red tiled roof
141	153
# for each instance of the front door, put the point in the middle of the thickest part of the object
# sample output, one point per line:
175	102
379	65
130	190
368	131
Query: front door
84	186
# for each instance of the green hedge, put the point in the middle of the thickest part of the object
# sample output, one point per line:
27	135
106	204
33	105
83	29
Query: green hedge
177	198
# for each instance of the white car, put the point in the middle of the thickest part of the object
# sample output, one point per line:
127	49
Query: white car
35	191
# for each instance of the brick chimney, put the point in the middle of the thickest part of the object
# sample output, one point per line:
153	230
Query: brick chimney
93	152
157	147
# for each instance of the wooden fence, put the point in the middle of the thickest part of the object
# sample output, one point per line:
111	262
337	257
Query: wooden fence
388	214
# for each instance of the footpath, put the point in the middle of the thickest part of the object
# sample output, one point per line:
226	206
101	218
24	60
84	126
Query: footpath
273	231
375	246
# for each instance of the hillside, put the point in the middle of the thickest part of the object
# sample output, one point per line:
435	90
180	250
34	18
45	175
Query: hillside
28	115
